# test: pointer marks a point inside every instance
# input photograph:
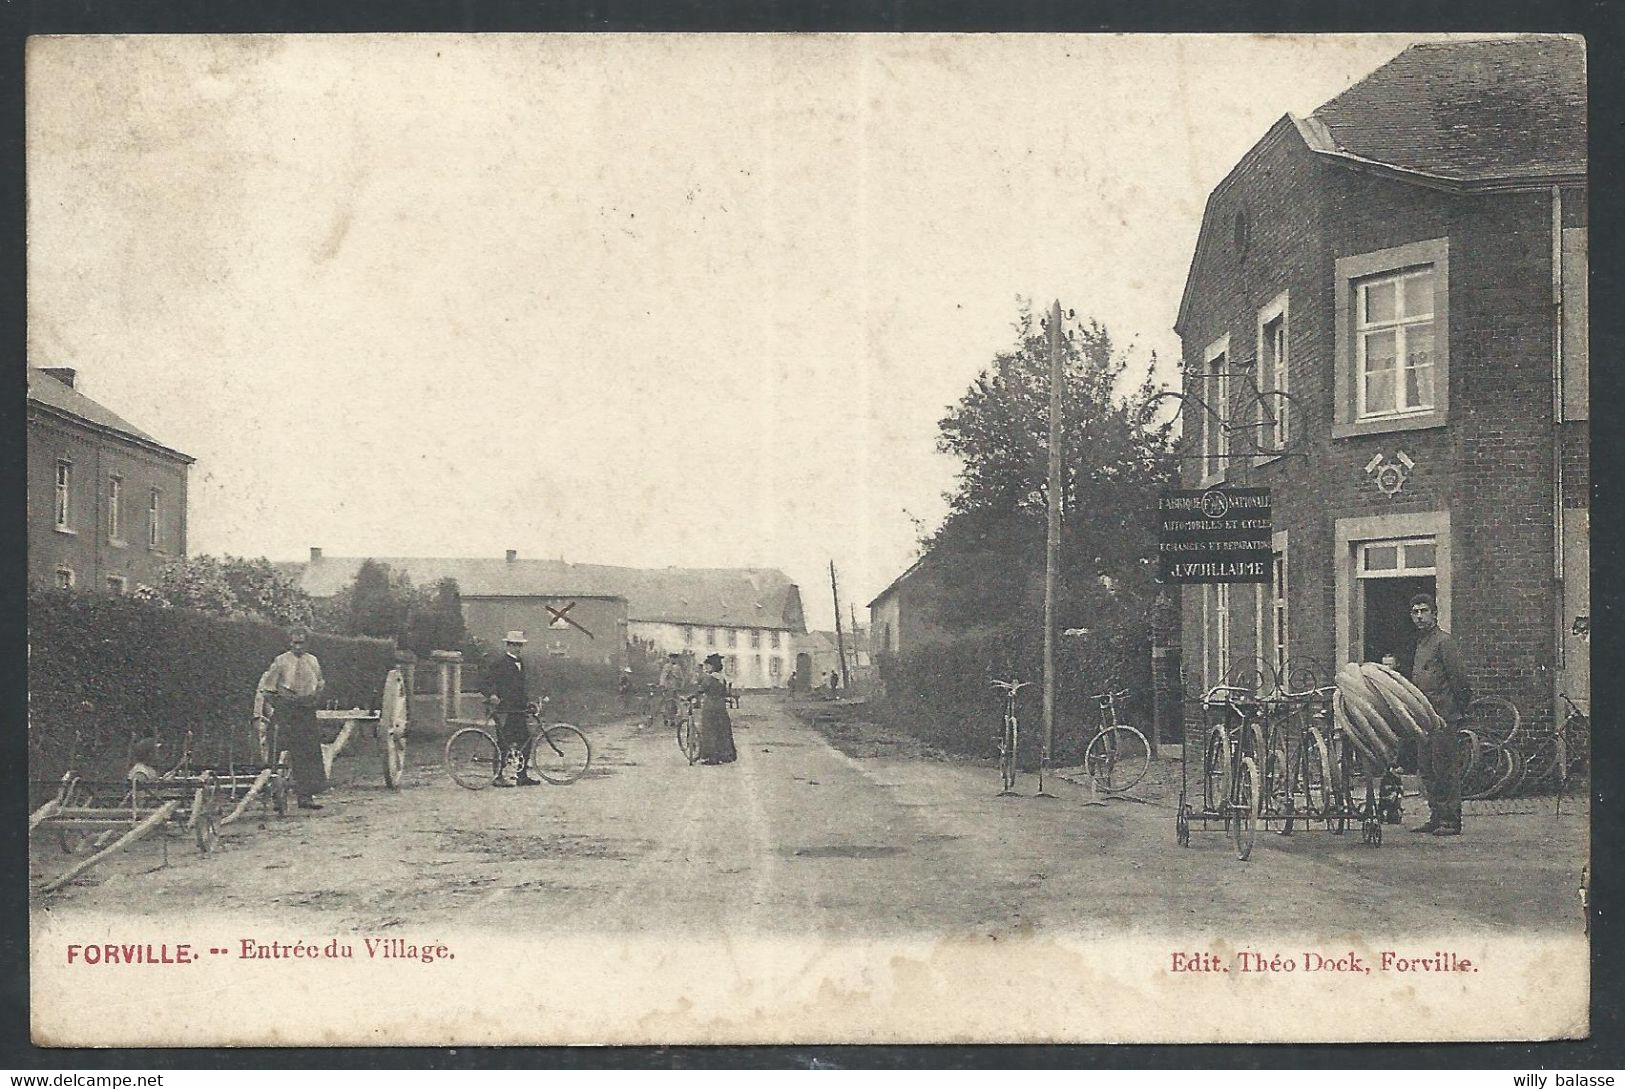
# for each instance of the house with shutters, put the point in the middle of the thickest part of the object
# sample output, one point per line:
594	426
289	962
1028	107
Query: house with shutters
1408	264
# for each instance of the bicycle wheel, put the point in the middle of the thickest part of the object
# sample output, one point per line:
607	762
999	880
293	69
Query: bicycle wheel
1576	744
560	754
690	738
1277	782
1216	771
1541	761
1495	720
1315	774
1007	754
473	758
1117	758
1244	808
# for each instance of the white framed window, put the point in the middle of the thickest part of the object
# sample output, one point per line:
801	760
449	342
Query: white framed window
773	640
1392	339
1274	411
1394	343
1280	618
775	666
115	501
64	578
733	638
116	584
755	638
710	637
1215	393
1412	557
64	494
730	666
155	506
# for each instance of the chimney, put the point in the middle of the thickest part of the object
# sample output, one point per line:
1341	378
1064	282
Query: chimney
315	554
513	554
65	375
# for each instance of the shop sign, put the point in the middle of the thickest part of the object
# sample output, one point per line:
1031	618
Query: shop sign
1210	535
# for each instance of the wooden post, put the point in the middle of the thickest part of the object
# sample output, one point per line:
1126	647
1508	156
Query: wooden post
1052	542
840	640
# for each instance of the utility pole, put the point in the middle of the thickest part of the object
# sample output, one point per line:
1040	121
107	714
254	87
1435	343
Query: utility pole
840	640
1052	543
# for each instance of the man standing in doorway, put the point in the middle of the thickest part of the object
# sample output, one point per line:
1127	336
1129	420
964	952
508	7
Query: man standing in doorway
504	687
294	683
1439	672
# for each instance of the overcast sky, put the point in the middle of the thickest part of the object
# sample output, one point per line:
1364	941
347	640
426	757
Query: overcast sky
682	300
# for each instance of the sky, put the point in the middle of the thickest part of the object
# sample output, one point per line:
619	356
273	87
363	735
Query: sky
646	300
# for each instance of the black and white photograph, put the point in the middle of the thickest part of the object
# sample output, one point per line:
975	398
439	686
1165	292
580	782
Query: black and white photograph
668	539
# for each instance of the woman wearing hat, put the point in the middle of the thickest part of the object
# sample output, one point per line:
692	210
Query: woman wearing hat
716	728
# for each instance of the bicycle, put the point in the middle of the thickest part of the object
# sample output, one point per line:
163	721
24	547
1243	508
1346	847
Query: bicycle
558	752
688	732
1010	735
1118	756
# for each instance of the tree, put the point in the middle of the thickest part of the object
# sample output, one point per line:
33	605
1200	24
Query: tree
229	586
263	590
990	547
377	605
436	619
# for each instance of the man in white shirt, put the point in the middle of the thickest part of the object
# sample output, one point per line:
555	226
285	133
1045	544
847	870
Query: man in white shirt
294	683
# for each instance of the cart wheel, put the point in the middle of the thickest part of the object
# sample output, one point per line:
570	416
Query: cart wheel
1182	826
1244	808
208	831
394	744
473	759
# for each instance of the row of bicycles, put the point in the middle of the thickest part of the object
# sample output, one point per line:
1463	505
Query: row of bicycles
1272	755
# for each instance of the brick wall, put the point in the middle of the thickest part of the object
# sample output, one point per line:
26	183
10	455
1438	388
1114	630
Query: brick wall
1489	467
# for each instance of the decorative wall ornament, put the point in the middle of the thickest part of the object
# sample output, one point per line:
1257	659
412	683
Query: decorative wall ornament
1390	476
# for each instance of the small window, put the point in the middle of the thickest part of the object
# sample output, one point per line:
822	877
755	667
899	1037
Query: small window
1394	341
775	666
64	578
733	638
773	640
755	638
1215	392
155	499
1398	559
688	634
116	584
1274	425
730	666
64	492
710	637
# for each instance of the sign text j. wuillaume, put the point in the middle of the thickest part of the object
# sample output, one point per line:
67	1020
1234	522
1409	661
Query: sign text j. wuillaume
1214	535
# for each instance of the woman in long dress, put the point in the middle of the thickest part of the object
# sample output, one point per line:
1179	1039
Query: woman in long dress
716	728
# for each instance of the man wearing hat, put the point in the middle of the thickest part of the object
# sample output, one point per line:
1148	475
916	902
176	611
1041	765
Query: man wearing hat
504	688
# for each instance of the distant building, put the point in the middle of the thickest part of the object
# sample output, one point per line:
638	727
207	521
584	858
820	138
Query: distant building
903	615
106	500
590	612
1409	264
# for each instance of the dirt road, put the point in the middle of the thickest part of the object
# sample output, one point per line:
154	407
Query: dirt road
801	837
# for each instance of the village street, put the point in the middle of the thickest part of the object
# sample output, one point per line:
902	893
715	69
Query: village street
799	837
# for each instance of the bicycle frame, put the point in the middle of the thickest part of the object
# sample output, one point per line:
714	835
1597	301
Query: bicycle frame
1009	736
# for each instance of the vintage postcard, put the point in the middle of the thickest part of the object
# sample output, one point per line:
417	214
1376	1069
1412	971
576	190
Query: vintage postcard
661	539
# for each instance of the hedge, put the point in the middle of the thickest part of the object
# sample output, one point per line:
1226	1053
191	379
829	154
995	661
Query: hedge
942	693
112	669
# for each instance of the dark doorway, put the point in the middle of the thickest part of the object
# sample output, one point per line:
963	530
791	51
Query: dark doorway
1386	608
803	671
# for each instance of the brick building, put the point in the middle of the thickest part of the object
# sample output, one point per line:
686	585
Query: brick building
1409	264
106	501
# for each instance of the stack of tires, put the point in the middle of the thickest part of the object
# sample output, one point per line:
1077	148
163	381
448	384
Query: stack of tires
1376	706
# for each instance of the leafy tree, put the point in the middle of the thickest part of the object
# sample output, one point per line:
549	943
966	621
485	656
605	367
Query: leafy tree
198	582
262	589
435	619
377	605
990	548
229	586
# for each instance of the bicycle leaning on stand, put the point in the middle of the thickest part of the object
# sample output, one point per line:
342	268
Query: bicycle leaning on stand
557	752
1118	756
1010	735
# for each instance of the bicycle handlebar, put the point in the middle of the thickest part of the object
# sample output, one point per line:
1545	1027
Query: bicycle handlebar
1108	697
1011	687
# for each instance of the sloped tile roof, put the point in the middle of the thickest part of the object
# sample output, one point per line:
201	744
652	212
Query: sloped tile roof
720	597
47	390
1470	111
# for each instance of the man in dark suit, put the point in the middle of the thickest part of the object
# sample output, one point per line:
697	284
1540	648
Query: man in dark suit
1438	670
504	688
